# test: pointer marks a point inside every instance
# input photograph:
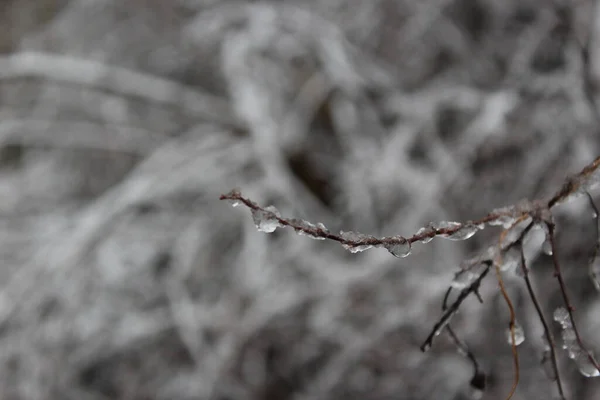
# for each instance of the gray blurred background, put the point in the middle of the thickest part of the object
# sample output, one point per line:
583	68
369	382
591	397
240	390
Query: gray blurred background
124	277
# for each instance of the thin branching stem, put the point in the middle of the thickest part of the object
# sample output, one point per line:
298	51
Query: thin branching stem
540	314
565	295
511	308
538	211
513	340
451	311
478	380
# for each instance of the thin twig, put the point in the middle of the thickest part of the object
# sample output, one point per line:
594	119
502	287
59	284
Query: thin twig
594	274
450	311
478	380
540	314
511	309
565	296
317	232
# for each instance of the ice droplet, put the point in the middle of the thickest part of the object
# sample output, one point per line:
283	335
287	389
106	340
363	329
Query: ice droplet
519	334
595	272
465	232
355	237
547	247
234	193
561	315
591	181
505	217
584	361
401	248
425	230
511	259
446	225
463	279
266	220
586	366
305	228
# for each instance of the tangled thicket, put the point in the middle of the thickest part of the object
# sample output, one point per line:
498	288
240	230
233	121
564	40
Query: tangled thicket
123	121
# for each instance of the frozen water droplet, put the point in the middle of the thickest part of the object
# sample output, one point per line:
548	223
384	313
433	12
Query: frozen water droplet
595	272
354	237
511	259
234	193
400	248
519	334
466	231
515	232
591	180
561	315
584	361
305	228
463	279
423	231
505	217
547	247
586	366
446	225
322	227
266	220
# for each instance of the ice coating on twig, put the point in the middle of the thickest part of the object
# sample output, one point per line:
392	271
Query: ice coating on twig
505	217
401	248
353	237
519	334
582	358
466	231
424	231
305	228
511	259
463	279
266	220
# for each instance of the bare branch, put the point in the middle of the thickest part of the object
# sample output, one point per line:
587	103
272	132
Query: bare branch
451	311
569	307
540	314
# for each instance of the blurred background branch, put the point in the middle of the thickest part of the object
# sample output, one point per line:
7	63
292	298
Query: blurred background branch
123	276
